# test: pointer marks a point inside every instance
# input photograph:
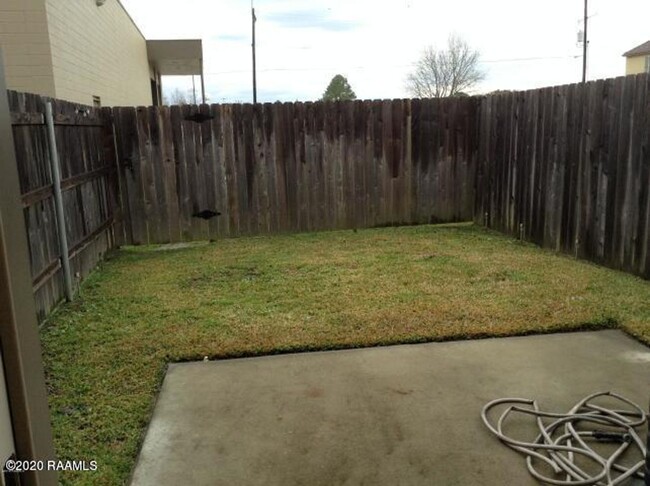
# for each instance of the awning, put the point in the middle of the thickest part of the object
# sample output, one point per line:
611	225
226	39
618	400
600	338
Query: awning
176	57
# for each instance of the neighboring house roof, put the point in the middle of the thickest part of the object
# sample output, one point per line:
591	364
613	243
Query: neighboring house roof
639	50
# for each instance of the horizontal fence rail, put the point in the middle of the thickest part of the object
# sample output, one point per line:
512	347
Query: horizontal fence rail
568	168
87	165
205	172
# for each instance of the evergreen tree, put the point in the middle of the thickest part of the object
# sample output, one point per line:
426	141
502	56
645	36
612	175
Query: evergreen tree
339	89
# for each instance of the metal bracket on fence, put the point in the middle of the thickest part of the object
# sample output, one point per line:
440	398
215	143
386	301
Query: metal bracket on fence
58	202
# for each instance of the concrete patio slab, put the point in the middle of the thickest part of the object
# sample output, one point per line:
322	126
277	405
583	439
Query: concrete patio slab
377	416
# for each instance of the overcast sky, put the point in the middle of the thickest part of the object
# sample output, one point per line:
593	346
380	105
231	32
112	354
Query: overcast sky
302	44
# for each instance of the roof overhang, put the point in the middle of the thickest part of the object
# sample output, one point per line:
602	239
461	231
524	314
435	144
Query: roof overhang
176	57
642	50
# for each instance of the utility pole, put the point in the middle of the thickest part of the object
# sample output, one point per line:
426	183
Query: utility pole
585	43
254	19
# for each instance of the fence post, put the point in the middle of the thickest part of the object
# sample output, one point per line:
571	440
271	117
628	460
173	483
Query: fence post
58	199
20	345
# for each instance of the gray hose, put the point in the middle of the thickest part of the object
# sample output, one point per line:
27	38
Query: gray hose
560	441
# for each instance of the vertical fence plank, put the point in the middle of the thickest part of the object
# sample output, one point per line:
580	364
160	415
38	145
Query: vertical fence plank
580	177
169	175
557	166
566	167
230	168
220	185
89	183
642	247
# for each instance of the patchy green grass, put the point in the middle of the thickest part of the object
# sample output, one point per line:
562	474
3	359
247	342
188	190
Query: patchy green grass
105	353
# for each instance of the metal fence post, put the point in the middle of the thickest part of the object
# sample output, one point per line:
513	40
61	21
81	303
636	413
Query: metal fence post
58	199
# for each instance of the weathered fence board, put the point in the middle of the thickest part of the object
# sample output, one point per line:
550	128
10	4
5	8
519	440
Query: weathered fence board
293	167
568	168
86	162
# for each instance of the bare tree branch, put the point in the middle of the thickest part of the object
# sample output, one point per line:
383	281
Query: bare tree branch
446	72
176	97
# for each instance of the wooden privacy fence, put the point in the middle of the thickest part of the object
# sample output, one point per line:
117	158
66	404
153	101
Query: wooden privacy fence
166	174
292	167
568	168
87	165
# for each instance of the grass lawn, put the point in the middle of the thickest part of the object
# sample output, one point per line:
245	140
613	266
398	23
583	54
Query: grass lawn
105	354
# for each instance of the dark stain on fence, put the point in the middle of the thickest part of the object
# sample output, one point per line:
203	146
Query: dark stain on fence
294	167
85	147
568	168
565	167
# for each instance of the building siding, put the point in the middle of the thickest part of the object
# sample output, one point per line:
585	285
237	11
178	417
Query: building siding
24	39
635	65
97	51
74	50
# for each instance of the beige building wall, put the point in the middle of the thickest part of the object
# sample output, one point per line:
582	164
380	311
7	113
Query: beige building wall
97	51
24	39
635	65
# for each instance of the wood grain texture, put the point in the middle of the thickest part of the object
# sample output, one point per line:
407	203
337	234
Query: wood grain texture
90	186
281	167
568	168
565	167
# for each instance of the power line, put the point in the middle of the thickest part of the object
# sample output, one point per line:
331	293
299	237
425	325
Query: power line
525	59
383	66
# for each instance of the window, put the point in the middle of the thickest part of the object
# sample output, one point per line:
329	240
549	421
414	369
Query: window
647	64
97	102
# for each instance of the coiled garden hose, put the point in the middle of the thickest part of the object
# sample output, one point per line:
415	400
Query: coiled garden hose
569	435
